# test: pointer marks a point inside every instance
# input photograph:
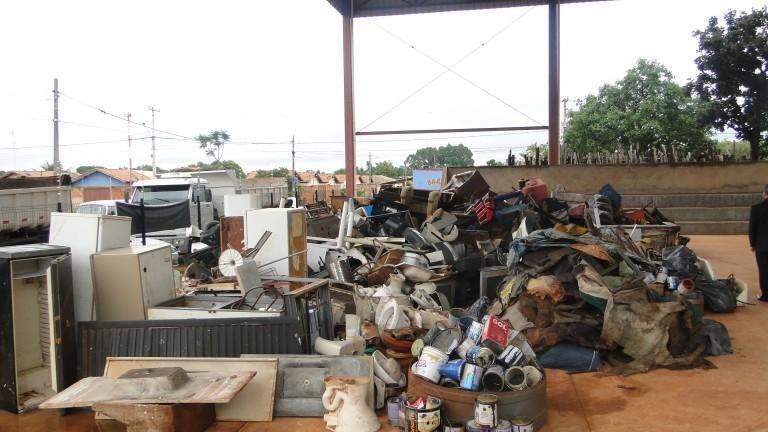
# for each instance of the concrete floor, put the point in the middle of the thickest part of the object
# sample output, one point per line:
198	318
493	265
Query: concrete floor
730	398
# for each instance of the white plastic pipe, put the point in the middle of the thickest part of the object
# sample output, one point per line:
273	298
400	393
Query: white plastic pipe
342	225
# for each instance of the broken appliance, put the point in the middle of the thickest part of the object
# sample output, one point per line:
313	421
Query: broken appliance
285	253
37	325
85	234
262	304
129	280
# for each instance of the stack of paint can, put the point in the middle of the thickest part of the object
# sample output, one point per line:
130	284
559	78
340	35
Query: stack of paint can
492	356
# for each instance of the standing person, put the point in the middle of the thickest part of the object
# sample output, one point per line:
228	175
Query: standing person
758	241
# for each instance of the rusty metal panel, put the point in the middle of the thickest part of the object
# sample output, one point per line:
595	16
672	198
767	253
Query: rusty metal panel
228	337
231	233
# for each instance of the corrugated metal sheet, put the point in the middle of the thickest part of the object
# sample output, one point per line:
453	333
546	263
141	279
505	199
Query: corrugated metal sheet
185	338
368	8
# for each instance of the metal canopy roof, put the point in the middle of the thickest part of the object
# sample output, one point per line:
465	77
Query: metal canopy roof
369	8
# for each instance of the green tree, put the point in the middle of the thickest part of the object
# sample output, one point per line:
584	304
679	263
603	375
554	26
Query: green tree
433	157
340	171
384	168
530	151
737	149
213	143
494	162
213	166
733	75
276	172
148	167
644	110
82	169
48	166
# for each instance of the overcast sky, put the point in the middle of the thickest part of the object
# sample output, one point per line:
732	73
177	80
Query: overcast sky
267	70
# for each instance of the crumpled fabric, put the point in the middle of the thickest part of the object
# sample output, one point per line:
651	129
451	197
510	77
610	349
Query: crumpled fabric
640	328
546	287
512	287
571	229
576	333
516	318
539	312
593	250
576	313
592	288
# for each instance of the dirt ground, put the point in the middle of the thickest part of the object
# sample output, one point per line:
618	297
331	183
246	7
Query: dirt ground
730	398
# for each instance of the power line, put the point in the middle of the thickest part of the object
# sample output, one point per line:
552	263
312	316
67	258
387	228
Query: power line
123	118
73	144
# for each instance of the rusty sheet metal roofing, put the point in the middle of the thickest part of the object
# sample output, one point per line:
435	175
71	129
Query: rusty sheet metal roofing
369	8
228	337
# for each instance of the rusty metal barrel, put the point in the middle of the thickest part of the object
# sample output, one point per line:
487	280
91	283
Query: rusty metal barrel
459	404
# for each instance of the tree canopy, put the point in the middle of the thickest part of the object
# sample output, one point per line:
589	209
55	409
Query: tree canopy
213	143
215	165
385	168
275	172
733	75
644	110
82	169
448	155
530	152
494	162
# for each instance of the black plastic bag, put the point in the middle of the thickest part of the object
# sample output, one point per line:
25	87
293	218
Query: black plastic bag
680	261
719	296
614	197
714	336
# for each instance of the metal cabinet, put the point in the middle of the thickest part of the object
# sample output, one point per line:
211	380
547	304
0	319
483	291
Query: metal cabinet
129	280
37	325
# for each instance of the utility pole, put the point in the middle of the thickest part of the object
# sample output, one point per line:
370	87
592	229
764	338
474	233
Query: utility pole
370	168
130	163
56	161
154	149
293	165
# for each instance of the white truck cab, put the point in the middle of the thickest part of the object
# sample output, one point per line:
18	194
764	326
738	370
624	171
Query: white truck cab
170	190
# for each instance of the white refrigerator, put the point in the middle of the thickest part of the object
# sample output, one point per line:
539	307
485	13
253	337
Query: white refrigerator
287	246
85	235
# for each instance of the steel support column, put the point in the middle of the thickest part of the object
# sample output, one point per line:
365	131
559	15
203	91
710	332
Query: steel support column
554	82
349	104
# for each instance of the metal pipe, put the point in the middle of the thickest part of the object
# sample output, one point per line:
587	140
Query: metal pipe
440	131
349	101
350	219
554	82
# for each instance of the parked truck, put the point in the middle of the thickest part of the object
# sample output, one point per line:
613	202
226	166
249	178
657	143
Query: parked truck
26	205
156	194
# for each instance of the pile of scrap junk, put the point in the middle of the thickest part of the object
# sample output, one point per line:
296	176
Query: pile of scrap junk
442	309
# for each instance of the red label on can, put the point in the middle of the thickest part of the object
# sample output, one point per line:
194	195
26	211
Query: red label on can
496	331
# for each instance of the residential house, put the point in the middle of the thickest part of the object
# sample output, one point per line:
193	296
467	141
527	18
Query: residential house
105	184
33	174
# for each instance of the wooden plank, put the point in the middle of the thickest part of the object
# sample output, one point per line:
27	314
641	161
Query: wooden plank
255	402
202	387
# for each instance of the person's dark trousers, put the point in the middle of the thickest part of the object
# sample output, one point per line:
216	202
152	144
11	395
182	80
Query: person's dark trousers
762	268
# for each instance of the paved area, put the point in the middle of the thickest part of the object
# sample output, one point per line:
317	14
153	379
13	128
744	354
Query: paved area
729	398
